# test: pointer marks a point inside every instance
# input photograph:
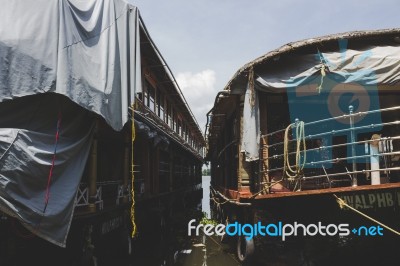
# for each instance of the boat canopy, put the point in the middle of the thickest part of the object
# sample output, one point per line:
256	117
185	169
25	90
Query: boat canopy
370	65
88	51
365	58
61	62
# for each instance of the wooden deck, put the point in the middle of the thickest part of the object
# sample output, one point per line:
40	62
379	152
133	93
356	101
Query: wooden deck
330	191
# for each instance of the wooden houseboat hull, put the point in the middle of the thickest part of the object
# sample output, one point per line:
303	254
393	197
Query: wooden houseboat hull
309	133
97	142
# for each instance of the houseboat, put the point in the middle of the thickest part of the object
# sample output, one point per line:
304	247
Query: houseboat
97	141
309	133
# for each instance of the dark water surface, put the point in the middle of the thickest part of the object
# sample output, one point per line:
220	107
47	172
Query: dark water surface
179	249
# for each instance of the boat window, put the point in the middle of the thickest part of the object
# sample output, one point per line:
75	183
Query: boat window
167	116
150	96
151	99
160	105
145	96
186	133
179	128
173	120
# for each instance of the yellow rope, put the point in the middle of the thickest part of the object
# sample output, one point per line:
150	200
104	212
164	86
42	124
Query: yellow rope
266	187
219	203
342	204
291	173
213	198
133	178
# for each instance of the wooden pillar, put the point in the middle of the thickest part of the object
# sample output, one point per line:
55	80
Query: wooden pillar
244	169
171	171
127	164
145	168
93	172
264	162
156	169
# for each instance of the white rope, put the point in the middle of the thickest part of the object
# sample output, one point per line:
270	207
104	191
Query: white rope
293	173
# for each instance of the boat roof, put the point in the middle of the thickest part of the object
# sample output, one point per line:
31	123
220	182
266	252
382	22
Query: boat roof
322	43
226	101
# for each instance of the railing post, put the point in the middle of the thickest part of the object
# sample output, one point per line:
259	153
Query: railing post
353	147
374	151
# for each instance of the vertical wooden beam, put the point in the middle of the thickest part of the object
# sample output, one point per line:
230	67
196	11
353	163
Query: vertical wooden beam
264	162
126	164
156	100
171	170
156	168
244	169
93	172
146	174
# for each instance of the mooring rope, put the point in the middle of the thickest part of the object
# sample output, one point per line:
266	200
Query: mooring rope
218	203
134	228
342	204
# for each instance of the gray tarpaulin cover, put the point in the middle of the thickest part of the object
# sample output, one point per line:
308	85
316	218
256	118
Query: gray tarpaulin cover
368	66
28	126
86	50
371	65
251	127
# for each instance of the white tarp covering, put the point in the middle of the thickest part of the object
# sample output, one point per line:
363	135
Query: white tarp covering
368	66
86	50
251	126
27	145
373	65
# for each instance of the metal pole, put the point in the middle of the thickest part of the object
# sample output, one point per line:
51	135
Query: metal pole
353	147
374	151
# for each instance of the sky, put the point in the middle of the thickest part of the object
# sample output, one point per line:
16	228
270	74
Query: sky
205	42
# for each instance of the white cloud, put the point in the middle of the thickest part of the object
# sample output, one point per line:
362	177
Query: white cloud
197	84
199	91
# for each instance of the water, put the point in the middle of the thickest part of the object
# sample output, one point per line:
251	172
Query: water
205	203
176	248
204	250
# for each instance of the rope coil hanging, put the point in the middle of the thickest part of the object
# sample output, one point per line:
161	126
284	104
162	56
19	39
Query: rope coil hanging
294	173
